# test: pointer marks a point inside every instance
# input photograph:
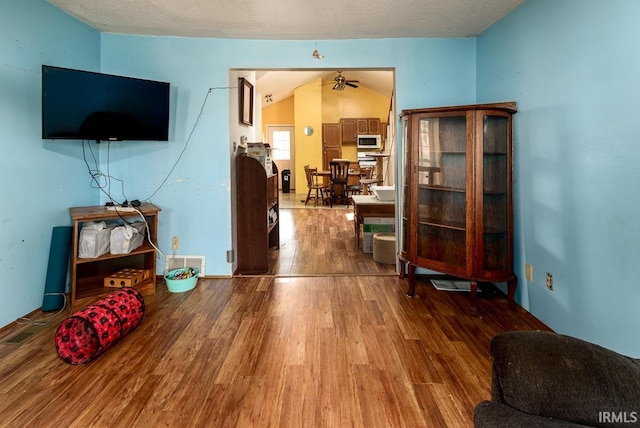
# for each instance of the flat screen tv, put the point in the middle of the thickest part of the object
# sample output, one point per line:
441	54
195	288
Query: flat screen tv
85	105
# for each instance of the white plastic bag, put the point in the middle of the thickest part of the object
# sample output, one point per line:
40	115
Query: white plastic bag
127	238
94	239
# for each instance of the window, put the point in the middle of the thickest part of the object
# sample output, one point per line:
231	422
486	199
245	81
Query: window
281	144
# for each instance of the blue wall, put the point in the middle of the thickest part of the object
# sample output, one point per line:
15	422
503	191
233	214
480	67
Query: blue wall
573	68
40	179
196	199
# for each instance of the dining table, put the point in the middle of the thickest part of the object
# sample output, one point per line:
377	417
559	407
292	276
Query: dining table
365	182
327	173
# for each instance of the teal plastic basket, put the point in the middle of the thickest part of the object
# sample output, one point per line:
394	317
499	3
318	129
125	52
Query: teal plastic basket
181	280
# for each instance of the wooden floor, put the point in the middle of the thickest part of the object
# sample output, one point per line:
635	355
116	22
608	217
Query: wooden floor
336	351
344	349
322	241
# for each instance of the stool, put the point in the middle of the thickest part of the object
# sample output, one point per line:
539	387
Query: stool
384	248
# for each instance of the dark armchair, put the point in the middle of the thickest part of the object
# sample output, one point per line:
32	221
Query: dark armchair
543	379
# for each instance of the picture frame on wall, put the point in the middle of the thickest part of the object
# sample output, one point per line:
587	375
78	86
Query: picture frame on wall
246	101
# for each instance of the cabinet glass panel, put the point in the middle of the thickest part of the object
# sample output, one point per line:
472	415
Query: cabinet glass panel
404	194
495	176
442	176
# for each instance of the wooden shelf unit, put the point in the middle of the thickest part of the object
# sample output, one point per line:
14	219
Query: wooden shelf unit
257	197
87	274
456	199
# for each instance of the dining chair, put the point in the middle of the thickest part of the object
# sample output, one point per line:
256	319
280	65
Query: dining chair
363	183
314	185
339	179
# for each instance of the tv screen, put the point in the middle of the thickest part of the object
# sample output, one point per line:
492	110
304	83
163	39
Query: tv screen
85	105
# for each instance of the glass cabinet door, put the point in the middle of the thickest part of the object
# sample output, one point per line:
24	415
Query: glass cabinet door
442	181
496	159
404	192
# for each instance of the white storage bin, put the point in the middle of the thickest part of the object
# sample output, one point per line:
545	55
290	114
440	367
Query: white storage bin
127	238
384	193
94	239
373	225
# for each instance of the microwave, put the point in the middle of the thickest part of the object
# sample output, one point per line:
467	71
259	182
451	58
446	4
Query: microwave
369	141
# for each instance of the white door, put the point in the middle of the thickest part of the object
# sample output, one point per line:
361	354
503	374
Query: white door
281	139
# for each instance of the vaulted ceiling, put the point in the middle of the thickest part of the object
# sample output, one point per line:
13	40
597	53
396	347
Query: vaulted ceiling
281	83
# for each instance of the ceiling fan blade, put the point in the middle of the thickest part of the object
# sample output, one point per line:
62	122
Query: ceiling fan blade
350	84
353	81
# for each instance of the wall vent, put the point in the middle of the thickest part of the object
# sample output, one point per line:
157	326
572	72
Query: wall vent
177	262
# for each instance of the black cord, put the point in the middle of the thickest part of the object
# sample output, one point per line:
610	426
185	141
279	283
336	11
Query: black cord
110	177
186	143
97	175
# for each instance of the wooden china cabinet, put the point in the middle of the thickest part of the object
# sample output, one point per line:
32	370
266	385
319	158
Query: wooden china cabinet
456	197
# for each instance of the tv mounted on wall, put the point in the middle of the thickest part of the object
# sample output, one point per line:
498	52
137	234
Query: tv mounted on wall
85	105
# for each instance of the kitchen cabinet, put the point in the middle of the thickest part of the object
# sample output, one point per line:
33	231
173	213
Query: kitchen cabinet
352	127
331	143
349	130
368	126
456	199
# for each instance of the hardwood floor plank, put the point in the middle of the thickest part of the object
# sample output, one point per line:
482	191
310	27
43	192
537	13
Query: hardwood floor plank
118	391
295	394
245	349
430	410
373	401
453	414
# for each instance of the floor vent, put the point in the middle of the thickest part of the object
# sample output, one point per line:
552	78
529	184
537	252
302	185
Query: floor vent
177	262
22	336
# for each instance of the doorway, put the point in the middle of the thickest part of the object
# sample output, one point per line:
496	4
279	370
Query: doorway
281	138
317	240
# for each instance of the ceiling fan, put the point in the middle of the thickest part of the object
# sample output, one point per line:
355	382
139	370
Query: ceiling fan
342	82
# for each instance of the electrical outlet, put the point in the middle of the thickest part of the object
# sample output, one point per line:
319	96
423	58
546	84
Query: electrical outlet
175	243
528	272
549	281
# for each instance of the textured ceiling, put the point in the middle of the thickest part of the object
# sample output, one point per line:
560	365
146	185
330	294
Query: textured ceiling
295	20
291	19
